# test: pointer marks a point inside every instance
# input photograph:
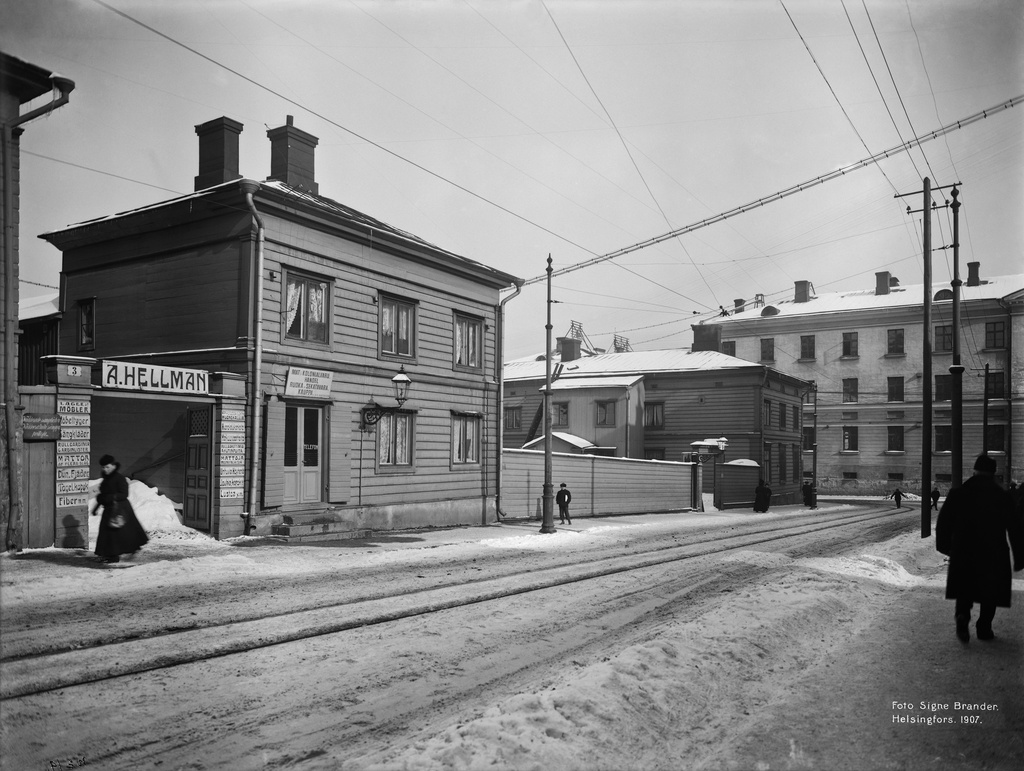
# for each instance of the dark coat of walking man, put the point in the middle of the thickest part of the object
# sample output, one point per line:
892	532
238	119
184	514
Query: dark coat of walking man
897	495
972	530
562	499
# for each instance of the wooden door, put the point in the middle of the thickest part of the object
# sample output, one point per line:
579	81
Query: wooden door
303	454
196	506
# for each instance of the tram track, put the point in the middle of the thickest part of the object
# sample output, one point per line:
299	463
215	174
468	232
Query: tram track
38	673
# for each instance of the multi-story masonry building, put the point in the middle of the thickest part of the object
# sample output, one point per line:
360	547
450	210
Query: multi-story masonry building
865	352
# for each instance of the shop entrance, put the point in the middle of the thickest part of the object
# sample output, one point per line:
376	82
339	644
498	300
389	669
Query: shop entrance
302	454
196	506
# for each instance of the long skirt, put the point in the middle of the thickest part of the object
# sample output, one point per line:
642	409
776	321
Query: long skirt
127	539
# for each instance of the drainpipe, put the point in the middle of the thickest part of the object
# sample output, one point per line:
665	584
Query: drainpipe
249	187
499	365
12	403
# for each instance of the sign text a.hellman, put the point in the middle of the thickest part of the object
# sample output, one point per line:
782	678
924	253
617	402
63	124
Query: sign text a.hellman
125	375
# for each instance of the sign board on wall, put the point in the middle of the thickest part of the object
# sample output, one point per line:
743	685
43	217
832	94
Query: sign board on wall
308	383
128	376
40	427
74	417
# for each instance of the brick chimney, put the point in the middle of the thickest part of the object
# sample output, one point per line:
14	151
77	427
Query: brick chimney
973	278
291	156
738	305
706	337
218	152
568	348
882	282
802	291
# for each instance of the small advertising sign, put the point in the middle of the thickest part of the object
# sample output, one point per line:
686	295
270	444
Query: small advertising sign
40	427
308	383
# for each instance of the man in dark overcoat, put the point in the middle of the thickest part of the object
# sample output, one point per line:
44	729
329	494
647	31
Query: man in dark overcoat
972	530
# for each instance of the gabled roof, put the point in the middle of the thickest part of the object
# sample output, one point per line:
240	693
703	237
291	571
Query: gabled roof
339	211
997	287
630	363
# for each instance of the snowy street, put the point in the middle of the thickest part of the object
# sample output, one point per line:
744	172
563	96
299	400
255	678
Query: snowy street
665	641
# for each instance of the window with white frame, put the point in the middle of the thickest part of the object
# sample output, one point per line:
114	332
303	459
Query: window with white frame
469	342
307	304
395	440
465	439
397	327
605	414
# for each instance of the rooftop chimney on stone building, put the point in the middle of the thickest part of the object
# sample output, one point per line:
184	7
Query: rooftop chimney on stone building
568	348
882	282
973	279
706	337
738	305
802	291
291	156
218	152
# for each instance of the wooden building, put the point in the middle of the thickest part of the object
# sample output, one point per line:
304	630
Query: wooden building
318	305
656	404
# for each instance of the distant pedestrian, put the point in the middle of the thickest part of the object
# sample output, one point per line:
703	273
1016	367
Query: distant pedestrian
972	530
808	493
562	499
897	495
120	531
762	496
935	497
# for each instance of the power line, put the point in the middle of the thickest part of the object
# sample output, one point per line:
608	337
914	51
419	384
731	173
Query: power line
798	188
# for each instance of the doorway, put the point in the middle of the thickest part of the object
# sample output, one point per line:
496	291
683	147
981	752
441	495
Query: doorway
196	506
303	454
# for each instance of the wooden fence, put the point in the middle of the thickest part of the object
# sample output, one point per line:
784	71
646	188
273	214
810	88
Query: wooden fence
599	485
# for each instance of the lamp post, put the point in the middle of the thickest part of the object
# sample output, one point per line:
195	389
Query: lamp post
548	491
400	383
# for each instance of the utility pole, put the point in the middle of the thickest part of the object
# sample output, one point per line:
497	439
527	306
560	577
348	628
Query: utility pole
548	494
984	415
956	370
926	352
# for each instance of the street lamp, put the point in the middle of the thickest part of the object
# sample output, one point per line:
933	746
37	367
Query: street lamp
401	383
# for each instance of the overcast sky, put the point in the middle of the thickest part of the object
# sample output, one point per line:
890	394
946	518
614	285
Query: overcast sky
507	131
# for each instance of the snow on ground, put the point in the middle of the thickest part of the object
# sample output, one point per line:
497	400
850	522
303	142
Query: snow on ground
735	657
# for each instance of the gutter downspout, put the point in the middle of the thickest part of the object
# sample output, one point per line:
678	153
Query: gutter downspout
499	365
12	401
249	187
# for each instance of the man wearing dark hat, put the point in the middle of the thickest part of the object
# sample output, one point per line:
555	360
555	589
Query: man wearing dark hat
972	531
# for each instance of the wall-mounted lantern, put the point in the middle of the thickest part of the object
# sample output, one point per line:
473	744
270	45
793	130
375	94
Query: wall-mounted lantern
401	383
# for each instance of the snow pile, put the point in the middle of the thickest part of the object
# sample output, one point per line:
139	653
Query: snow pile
159	516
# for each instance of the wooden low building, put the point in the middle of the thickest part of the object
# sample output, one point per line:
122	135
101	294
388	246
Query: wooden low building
656	404
301	311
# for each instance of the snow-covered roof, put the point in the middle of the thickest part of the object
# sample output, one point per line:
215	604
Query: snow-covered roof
629	363
38	307
575	441
865	299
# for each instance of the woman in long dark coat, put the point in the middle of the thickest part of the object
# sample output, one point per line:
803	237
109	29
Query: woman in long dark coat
120	531
972	530
762	496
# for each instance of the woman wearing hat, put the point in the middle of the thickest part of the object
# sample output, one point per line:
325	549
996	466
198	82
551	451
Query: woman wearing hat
120	531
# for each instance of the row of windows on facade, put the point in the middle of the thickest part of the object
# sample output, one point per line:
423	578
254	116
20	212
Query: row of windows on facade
306	320
995	388
995	438
995	338
654	415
